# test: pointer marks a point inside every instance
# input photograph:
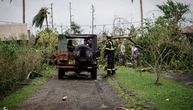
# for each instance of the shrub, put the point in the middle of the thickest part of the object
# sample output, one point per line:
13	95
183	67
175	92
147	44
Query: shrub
16	62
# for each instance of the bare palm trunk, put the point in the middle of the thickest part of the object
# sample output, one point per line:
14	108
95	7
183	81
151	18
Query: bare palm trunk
141	11
47	44
23	11
46	20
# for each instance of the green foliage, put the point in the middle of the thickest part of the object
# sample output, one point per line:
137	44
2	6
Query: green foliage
168	96
38	20
47	37
162	41
8	55
74	29
16	62
17	98
173	11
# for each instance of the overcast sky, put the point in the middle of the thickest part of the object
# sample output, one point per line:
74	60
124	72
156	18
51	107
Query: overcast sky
105	11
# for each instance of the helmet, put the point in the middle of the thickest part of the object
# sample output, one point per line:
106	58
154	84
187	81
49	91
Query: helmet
109	35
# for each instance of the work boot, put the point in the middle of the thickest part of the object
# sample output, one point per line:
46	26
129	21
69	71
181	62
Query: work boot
113	72
108	73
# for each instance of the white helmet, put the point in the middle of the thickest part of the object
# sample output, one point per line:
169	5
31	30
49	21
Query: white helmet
109	34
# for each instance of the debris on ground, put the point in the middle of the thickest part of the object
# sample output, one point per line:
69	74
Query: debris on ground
123	108
33	75
64	98
104	106
5	108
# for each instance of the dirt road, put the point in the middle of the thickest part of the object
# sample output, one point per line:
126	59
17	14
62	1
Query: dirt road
82	94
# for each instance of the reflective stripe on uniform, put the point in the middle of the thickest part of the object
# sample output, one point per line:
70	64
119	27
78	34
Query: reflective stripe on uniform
111	48
113	69
109	69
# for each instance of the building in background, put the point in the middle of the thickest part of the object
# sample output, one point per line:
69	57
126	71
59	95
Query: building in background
14	31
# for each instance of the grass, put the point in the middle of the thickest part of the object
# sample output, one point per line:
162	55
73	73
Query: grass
17	98
168	96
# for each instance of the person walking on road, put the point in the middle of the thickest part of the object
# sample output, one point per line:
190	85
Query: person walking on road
109	55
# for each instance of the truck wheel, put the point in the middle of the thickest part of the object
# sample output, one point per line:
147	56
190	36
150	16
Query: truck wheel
94	74
61	73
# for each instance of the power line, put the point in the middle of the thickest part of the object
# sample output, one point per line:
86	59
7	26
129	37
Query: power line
96	25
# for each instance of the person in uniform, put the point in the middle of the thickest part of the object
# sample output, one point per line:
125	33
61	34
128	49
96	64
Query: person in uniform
70	46
109	55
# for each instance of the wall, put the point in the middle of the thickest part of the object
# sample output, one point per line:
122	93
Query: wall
13	31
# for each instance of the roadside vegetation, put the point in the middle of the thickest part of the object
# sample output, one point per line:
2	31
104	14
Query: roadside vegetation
22	61
163	47
17	98
17	61
161	43
140	93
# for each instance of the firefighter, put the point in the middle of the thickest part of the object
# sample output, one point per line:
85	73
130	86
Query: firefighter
109	55
70	46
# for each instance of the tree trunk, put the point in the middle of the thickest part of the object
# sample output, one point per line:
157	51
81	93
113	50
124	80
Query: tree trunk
157	73
23	11
47	43
46	21
141	11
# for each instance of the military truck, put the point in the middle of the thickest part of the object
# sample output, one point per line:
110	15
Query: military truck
83	57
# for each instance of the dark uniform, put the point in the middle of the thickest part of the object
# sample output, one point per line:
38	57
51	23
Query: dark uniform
109	54
70	46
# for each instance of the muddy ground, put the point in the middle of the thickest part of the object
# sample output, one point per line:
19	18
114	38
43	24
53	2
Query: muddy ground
183	78
81	92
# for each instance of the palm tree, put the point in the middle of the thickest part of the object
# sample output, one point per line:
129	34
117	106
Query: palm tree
38	20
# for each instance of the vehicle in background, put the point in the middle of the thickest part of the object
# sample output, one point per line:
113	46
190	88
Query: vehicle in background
82	57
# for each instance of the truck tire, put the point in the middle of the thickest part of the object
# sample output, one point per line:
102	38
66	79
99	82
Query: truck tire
61	73
94	74
82	53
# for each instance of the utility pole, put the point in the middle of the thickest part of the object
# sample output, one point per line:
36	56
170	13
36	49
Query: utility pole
70	8
103	28
23	11
141	10
52	16
92	19
61	29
